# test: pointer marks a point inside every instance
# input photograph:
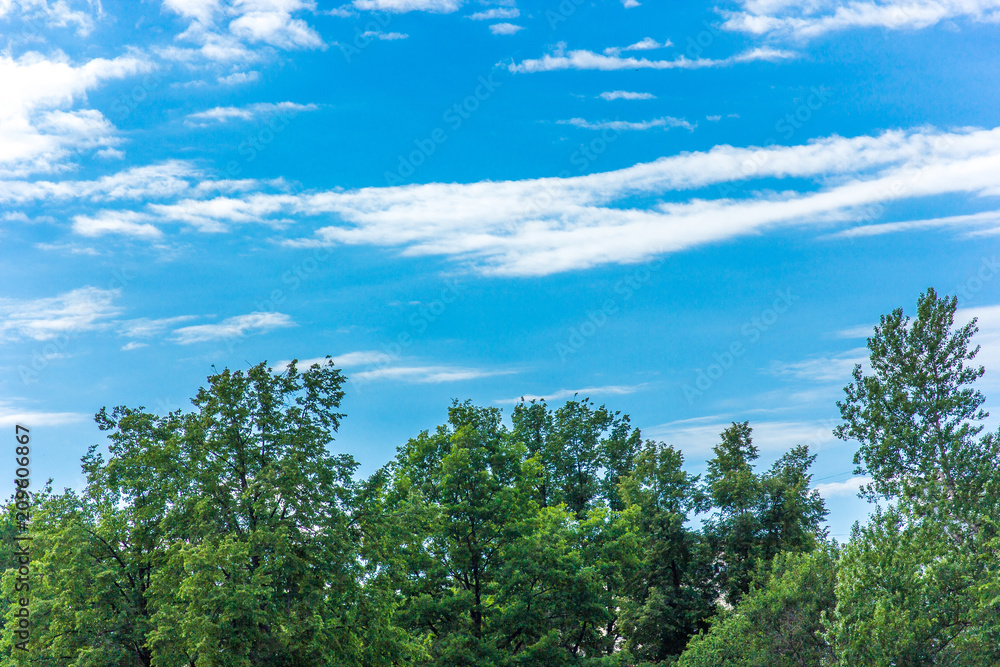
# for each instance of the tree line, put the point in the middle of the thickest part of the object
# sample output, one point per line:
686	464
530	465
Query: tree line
231	535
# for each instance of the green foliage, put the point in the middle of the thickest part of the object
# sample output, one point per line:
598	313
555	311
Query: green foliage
918	584
778	622
230	535
907	596
758	515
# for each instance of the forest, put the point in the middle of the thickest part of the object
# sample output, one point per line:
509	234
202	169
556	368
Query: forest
233	534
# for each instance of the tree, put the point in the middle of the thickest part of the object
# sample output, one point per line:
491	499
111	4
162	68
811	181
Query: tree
779	621
758	516
222	536
512	556
916	417
670	595
918	584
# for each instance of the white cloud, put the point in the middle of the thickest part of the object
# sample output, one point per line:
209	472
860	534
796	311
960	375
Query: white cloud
860	331
346	360
110	154
588	60
144	327
496	13
645	44
157	181
76	311
543	226
629	4
224	30
822	369
249	112
424	374
213	215
849	487
505	28
607	390
133	346
697	436
986	218
237	78
817	17
58	14
384	36
11	416
547	225
626	95
403	6
37	130
622	126
233	327
125	223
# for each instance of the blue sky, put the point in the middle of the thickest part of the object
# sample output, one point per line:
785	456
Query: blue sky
691	214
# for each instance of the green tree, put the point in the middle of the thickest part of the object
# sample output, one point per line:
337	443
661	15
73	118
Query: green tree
670	596
778	622
757	516
919	584
917	415
223	536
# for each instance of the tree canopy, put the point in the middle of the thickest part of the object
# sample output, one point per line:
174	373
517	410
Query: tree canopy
233	535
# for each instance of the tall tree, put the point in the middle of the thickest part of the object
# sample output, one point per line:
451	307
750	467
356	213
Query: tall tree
917	415
670	595
758	516
918	584
222	536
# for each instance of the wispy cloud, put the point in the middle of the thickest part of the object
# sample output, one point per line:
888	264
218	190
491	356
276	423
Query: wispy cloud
237	78
144	327
818	17
505	28
346	360
849	487
56	14
76	311
426	374
989	219
249	112
123	223
624	126
626	95
588	60
586	392
384	36
821	369
239	326
403	6
696	437
645	44
542	226
10	415
496	13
